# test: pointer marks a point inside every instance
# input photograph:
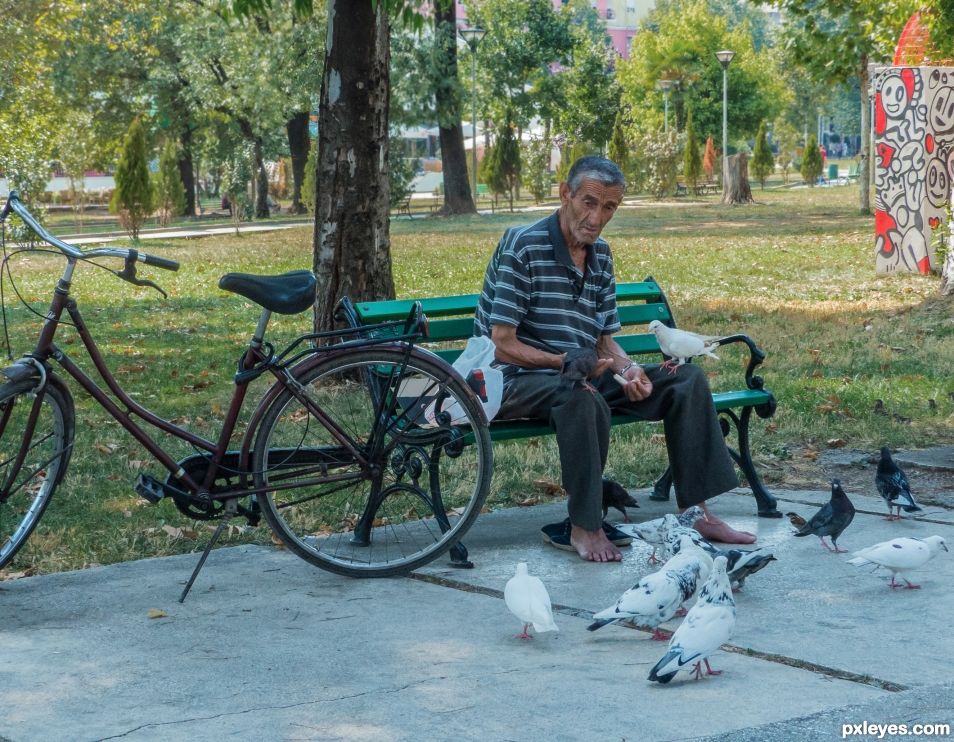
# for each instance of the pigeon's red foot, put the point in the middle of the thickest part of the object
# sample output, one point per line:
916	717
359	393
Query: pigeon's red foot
659	635
525	634
680	611
710	671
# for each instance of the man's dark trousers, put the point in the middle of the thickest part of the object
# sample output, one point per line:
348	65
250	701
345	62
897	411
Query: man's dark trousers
701	466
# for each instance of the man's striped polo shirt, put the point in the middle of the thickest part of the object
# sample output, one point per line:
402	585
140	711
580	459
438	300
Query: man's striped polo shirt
532	284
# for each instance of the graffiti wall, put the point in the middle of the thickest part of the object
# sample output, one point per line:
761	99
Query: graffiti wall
913	163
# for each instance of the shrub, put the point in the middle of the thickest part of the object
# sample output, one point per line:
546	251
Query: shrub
763	161
133	198
811	162
170	193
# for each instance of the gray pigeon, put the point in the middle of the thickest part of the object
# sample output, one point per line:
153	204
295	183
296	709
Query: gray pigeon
615	496
832	519
578	364
893	486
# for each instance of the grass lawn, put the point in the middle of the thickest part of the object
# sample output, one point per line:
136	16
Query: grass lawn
794	271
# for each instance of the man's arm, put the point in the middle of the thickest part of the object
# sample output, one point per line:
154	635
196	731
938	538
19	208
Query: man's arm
639	386
512	350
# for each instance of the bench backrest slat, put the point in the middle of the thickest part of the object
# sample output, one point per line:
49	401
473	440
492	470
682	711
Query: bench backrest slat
451	318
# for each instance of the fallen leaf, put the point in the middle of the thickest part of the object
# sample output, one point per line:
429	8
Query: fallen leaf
550	488
156	613
836	443
810	455
771	428
106	448
277	542
530	501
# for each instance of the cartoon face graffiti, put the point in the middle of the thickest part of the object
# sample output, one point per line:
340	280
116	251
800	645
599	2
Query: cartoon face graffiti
894	95
941	106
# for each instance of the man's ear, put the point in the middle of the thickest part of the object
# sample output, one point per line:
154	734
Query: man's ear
564	191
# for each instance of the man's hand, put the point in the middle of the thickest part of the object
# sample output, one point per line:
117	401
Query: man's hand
639	387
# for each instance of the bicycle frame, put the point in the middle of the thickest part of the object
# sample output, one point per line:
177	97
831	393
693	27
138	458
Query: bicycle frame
253	362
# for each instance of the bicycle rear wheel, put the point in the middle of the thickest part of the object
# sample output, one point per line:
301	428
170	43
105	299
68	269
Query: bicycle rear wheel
402	486
31	467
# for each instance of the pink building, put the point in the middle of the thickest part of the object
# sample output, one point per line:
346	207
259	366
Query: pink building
622	18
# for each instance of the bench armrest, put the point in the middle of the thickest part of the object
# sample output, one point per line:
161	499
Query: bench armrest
756	357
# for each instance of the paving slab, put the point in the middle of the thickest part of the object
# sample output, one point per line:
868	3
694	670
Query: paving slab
269	647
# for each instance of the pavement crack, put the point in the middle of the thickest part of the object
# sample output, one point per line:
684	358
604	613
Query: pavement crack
780	659
278	707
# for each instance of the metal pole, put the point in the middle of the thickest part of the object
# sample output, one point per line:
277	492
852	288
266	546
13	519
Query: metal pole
473	118
725	122
666	108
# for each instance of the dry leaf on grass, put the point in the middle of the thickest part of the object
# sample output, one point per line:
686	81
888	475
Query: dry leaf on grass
529	502
550	488
277	542
836	443
156	613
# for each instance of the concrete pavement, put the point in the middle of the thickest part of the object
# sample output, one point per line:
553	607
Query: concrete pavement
269	648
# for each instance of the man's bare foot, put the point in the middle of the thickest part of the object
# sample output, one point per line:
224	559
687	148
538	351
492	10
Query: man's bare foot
715	529
594	546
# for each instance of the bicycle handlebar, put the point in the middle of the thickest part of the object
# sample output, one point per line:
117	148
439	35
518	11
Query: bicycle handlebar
15	205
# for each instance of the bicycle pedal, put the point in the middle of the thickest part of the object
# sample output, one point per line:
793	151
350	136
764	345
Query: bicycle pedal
149	489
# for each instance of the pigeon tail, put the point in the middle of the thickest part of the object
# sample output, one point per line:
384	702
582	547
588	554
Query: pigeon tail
673	655
599	624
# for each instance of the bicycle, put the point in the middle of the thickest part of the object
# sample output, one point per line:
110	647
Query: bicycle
368	455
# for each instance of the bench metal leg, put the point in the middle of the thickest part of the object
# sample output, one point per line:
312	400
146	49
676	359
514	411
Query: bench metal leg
662	486
767	505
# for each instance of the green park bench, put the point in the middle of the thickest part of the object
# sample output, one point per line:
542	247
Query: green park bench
451	323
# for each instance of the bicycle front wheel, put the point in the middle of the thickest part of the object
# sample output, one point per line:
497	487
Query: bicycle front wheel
31	464
401	478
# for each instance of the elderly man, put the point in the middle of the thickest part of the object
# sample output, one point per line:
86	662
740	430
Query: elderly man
549	301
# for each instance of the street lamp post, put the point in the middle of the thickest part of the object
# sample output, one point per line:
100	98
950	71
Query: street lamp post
473	36
724	57
665	86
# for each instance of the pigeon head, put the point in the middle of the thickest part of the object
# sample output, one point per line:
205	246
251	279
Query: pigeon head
522	568
655	326
885	453
719	564
935	543
691	515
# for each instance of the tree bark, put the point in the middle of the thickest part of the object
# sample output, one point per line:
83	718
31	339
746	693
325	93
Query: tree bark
261	181
736	188
457	196
186	171
351	246
864	171
299	144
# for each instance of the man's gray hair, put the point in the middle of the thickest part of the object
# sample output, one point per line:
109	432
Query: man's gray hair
594	167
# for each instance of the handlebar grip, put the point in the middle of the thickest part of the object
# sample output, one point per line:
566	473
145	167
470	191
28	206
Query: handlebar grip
169	265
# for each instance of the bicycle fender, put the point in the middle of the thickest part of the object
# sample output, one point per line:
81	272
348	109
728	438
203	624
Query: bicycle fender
22	370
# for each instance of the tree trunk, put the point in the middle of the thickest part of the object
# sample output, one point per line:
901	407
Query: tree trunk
735	186
352	252
864	171
261	182
186	172
457	196
299	144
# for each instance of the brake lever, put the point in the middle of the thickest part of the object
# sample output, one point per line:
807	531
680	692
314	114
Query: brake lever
128	274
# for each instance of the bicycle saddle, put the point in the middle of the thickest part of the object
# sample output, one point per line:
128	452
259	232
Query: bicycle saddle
289	293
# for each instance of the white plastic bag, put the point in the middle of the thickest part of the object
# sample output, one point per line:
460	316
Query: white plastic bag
478	354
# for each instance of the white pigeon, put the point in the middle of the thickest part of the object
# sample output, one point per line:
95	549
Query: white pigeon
708	625
528	599
654	531
900	555
676	531
681	345
657	597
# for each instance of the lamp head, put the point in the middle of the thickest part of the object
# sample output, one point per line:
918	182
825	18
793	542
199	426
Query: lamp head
472	36
724	57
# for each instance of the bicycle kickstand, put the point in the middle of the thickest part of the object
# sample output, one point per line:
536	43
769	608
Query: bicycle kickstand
231	509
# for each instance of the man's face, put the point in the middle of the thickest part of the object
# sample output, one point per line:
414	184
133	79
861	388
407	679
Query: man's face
584	214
